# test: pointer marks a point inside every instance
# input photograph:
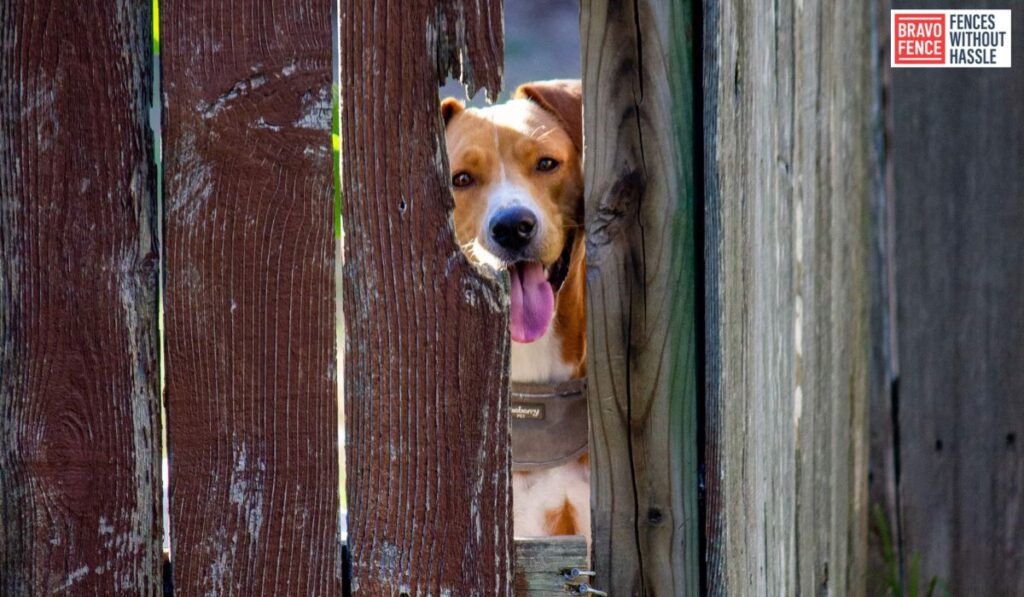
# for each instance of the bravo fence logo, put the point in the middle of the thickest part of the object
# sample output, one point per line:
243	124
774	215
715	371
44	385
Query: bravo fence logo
950	38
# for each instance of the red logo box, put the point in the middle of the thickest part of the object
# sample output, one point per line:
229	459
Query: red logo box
920	38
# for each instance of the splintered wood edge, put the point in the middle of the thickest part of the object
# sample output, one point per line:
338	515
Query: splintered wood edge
539	563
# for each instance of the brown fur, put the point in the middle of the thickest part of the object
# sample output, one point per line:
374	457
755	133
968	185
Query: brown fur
570	310
471	143
495	145
561	521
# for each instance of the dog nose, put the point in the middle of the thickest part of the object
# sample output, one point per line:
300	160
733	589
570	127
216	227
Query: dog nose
513	228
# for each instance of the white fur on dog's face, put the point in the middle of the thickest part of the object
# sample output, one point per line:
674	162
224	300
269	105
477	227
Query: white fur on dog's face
499	149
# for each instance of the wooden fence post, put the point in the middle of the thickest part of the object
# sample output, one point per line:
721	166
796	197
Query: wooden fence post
788	95
639	93
251	380
426	340
79	407
958	202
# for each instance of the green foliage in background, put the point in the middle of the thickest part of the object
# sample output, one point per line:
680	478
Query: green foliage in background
892	584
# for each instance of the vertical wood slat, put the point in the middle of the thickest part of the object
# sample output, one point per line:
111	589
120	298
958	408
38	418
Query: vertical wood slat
79	407
787	149
957	151
251	380
426	340
639	93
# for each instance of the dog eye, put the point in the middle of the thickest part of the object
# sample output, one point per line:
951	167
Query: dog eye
547	164
462	179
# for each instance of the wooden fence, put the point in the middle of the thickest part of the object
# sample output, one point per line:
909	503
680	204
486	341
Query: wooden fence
639	96
785	251
80	488
787	168
947	428
426	341
249	314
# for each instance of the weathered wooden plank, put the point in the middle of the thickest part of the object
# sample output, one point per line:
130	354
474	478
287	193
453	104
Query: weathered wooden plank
251	383
787	112
639	92
540	564
426	340
79	406
957	151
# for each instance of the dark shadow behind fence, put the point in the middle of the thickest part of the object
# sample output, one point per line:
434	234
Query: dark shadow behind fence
947	452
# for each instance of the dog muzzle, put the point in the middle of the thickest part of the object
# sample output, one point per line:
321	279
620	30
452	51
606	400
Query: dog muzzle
549	424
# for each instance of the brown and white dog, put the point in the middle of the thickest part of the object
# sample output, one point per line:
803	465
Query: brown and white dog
518	185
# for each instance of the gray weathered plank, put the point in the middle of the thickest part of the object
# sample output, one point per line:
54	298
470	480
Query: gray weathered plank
426	335
539	563
641	284
251	385
787	135
957	153
79	384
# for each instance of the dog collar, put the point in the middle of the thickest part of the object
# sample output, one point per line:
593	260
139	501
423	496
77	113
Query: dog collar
549	424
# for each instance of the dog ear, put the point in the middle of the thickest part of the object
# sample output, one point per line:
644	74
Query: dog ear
564	99
449	108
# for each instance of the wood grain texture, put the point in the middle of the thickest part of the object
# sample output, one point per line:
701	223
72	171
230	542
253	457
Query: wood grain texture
251	381
788	160
539	563
957	152
426	335
79	407
641	285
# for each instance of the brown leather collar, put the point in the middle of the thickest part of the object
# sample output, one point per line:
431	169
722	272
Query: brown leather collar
549	424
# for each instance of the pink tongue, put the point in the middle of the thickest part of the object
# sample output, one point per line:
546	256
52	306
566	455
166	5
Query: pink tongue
533	302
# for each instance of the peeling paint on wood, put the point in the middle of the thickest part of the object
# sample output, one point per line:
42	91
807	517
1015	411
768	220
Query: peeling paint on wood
79	406
426	352
251	387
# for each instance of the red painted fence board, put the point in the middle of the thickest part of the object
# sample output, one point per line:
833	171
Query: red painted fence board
426	336
79	408
251	380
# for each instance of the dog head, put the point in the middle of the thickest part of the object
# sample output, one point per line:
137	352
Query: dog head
518	186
